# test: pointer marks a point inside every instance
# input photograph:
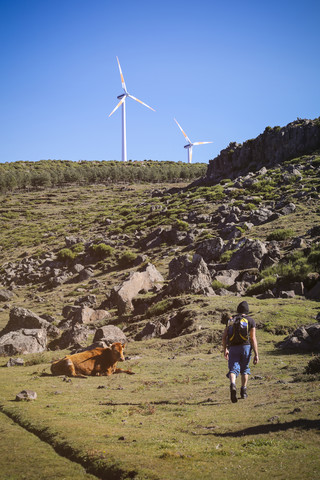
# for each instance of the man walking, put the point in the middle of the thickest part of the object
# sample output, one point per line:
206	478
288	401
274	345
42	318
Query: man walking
238	339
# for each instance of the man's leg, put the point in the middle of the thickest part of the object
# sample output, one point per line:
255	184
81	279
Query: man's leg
233	390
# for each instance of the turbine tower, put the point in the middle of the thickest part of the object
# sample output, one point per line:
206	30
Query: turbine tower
190	144
122	102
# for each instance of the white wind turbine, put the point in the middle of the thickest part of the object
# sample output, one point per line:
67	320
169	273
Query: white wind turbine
190	144
122	102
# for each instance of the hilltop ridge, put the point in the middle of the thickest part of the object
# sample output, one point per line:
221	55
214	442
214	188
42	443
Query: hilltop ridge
274	146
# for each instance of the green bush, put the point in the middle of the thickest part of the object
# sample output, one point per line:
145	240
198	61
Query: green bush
226	256
267	283
280	234
127	258
313	366
101	250
216	285
66	255
159	308
181	225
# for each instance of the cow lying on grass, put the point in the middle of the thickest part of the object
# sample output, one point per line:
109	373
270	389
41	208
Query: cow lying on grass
99	361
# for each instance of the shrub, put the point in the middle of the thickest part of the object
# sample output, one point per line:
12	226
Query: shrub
181	225
226	256
159	308
216	285
66	255
101	250
267	283
280	234
313	366
78	248
127	258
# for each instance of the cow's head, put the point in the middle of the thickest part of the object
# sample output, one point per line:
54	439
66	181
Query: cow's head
117	351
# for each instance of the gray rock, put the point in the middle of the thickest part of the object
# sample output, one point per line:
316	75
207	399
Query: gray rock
26	396
227	277
153	329
5	295
250	255
76	335
303	339
87	301
15	362
141	281
110	334
23	341
23	318
195	278
211	249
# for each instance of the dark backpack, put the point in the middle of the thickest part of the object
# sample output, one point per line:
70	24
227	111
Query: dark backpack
238	330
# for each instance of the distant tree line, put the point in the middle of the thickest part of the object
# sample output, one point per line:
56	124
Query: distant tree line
55	173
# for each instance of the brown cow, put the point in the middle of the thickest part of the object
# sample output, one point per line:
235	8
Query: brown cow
99	361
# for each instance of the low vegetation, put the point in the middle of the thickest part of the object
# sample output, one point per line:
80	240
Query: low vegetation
173	418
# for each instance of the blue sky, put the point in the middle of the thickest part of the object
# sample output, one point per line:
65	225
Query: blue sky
224	70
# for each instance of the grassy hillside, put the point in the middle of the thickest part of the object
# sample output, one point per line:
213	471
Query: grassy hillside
174	417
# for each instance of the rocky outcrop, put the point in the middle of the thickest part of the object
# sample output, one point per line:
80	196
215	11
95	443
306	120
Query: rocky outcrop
273	146
141	281
304	339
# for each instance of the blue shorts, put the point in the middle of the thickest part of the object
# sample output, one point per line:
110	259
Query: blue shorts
239	359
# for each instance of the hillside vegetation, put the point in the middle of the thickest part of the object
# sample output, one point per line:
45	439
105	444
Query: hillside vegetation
173	418
24	175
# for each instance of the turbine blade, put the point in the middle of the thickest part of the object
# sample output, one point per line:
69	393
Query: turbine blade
185	135
137	100
200	143
120	103
122	78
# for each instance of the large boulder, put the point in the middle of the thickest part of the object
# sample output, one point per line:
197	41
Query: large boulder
141	281
110	334
194	278
153	329
77	336
303	339
23	341
211	249
23	318
249	255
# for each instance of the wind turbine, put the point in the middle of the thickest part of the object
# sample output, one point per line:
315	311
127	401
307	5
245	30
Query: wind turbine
122	102
190	144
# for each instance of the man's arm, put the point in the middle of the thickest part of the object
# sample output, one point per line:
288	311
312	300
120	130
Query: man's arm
224	344
254	344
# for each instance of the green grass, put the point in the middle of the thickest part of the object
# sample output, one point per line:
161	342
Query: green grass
174	417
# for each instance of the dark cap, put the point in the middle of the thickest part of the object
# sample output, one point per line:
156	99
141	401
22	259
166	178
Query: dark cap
243	307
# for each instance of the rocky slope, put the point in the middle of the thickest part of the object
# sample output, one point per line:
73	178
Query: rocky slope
149	258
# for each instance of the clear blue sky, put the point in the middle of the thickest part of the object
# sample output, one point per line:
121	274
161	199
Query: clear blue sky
224	69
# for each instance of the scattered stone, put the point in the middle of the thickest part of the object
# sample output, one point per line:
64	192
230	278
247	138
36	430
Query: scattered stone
15	362
26	395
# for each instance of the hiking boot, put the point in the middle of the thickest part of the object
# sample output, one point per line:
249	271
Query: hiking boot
233	393
244	392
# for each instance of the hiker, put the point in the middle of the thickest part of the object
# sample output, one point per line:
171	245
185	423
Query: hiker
239	338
